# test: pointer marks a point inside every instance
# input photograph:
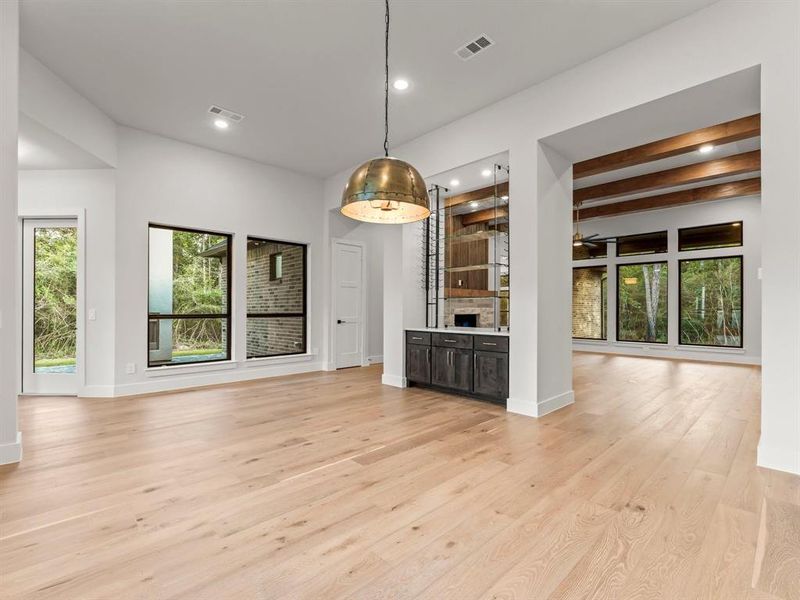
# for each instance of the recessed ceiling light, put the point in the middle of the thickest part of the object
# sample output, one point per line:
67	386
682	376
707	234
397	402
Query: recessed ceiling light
706	148
400	84
486	172
503	197
474	204
221	124
454	182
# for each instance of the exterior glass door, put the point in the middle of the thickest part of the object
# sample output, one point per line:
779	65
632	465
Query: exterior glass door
50	306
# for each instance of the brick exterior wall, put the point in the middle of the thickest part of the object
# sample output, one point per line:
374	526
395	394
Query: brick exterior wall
284	335
587	303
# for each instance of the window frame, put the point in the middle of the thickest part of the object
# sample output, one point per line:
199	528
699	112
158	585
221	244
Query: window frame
303	315
680	299
226	316
630	235
617	302
603	311
731	223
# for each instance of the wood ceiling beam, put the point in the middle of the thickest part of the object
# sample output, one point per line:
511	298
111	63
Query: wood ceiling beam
482	216
481	194
719	191
747	162
724	133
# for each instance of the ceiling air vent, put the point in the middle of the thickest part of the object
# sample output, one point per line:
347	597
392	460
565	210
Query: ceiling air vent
468	51
225	113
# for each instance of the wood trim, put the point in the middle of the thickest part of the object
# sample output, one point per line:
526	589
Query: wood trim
747	162
481	194
720	191
723	133
484	215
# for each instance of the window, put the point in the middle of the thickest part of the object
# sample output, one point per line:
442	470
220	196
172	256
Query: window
589	250
276	298
589	302
188	296
275	266
725	235
711	301
643	243
642	302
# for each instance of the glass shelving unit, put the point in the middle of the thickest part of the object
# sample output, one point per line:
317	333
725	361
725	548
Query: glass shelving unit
467	256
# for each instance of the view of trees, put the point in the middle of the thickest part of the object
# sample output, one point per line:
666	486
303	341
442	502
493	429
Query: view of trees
711	301
642	302
199	286
55	293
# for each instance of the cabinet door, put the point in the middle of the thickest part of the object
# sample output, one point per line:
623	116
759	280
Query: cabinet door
418	363
452	368
441	372
491	374
461	362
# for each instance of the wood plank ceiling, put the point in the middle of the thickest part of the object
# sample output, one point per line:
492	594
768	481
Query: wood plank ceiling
622	182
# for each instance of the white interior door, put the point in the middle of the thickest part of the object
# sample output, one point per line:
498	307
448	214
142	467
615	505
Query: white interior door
348	308
50	306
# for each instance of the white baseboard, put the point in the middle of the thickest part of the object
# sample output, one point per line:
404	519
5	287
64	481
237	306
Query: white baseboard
394	380
96	391
328	366
374	360
522	407
555	402
178	382
12	452
779	459
542	407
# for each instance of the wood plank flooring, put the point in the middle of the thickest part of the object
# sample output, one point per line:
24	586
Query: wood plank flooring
330	485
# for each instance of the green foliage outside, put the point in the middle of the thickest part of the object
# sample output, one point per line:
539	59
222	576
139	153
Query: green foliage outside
199	287
642	302
711	301
55	292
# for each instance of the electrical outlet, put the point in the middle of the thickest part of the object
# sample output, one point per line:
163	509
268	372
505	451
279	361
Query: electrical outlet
92	316
130	368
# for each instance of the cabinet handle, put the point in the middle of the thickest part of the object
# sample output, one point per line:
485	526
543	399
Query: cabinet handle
474	362
416	338
428	355
450	357
450	341
488	343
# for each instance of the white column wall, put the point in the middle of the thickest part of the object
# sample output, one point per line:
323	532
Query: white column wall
10	438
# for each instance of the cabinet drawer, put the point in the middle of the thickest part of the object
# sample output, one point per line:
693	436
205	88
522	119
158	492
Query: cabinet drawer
418	337
492	343
452	340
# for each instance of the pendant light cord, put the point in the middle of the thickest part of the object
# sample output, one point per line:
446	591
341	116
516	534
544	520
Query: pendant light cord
386	88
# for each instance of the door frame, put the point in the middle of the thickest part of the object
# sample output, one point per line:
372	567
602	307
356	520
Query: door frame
363	315
79	216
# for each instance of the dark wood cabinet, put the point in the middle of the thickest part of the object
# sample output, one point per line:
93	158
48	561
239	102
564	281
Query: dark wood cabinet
490	377
452	368
463	363
418	363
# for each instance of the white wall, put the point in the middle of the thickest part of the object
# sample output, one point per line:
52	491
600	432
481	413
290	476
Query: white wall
681	55
747	210
168	182
92	191
10	438
49	100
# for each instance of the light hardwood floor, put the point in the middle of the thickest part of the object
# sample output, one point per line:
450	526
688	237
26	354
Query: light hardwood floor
330	485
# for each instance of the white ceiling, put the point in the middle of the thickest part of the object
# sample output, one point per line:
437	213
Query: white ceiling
308	75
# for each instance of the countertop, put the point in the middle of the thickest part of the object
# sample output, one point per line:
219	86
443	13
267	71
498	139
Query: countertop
468	330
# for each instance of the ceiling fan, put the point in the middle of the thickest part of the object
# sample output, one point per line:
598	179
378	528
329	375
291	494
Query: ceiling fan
590	240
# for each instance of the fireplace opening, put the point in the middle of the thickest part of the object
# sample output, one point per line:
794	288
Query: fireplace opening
470	320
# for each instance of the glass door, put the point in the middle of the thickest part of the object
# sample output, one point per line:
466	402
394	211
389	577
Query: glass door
50	306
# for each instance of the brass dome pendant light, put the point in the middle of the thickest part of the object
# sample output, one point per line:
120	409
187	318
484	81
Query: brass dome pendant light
386	189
